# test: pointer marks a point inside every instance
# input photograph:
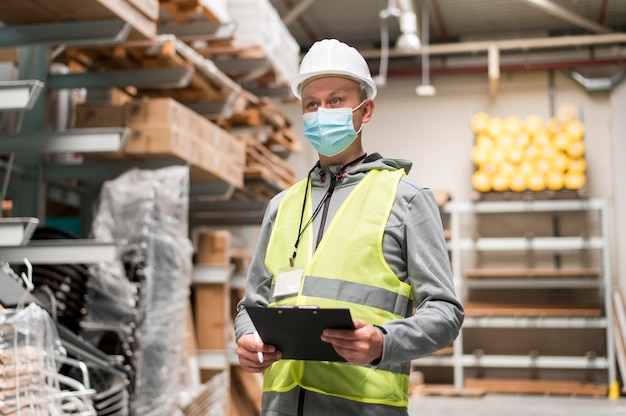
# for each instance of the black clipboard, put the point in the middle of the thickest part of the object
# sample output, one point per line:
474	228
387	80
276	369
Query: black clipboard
296	331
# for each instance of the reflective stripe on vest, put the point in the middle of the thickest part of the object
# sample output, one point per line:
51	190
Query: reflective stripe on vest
361	281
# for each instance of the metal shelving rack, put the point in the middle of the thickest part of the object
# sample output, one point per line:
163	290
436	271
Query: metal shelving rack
458	245
28	142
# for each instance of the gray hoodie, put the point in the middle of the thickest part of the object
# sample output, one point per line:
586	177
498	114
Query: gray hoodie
414	248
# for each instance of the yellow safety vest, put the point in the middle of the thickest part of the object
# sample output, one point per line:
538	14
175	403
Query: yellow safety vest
360	280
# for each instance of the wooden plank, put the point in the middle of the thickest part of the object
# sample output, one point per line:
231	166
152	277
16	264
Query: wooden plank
447	390
163	52
530	272
213	248
212	309
183	11
475	309
527	386
261	163
252	386
30	11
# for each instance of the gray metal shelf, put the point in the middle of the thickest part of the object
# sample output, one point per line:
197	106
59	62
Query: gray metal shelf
16	231
459	245
64	33
61	252
92	140
19	95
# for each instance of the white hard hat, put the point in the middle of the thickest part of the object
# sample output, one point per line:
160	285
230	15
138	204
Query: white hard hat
332	57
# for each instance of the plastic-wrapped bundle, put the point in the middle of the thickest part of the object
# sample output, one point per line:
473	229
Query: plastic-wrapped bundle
28	347
147	290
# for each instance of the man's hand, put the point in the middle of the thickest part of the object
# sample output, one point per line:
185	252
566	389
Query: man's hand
360	346
248	348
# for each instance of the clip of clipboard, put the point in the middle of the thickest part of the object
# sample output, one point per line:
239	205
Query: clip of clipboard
296	331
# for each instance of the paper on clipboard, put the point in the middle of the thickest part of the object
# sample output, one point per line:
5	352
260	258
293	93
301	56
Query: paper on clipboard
296	331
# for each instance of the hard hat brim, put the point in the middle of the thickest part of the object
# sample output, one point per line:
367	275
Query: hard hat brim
298	81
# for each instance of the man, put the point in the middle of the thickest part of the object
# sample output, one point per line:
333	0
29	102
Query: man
355	233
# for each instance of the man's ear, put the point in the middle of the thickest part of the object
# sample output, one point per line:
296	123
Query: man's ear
368	110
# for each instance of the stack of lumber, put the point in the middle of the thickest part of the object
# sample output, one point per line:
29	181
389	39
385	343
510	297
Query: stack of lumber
164	128
267	124
142	15
165	51
269	141
185	11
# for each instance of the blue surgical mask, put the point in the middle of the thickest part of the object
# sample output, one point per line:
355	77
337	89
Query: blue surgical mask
330	130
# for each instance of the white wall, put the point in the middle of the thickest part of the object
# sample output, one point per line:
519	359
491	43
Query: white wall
618	151
434	132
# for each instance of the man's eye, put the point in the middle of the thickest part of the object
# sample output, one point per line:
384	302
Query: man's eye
335	101
311	105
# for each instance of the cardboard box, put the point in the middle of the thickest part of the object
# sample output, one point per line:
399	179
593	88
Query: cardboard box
222	165
158	111
159	141
9	55
211	309
93	114
213	248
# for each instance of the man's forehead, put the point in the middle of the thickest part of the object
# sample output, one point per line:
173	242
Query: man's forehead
334	82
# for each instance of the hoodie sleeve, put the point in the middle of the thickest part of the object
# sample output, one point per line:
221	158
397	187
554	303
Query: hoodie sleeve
439	315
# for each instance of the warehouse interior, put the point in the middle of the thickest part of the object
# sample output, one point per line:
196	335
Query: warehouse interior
141	141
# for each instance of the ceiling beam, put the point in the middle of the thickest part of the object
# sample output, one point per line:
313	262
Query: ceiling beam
507	44
568	16
296	11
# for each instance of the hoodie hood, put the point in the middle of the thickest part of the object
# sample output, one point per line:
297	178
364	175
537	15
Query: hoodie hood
352	174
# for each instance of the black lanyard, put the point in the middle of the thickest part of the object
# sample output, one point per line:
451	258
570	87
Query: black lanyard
326	196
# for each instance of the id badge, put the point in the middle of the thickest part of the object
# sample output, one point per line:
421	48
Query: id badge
288	282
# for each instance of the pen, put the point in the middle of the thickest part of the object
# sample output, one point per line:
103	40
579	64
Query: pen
259	353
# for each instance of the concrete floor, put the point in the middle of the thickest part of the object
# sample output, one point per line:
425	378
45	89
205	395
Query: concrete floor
515	405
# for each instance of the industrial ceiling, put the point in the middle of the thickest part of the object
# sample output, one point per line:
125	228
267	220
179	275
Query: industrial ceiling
587	37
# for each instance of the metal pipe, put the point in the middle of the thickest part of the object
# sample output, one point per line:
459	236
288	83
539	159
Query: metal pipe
564	14
507	68
508	44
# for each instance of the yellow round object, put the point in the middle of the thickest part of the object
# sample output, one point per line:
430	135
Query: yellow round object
497	156
500	183
542	165
554	180
515	155
576	149
541	139
507	168
495	127
554	125
480	154
560	162
517	182
561	141
484	140
548	152
531	152
505	141
481	181
536	182
574	129
577	165
522	140
533	124
526	168
513	125
574	180
479	122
